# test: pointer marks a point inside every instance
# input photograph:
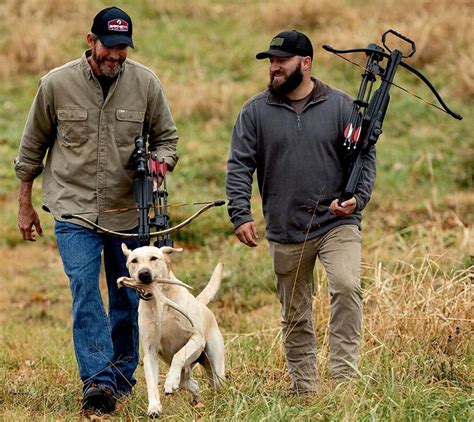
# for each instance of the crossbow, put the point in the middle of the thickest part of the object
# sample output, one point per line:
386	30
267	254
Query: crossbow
369	108
150	197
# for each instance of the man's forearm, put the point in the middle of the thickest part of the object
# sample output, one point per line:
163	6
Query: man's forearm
25	193
28	219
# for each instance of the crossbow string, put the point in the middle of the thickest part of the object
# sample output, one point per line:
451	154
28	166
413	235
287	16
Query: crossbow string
80	217
444	108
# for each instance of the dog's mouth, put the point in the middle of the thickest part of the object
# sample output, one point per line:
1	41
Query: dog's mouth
142	289
130	282
144	295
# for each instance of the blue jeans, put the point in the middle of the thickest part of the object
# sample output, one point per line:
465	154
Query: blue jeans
106	344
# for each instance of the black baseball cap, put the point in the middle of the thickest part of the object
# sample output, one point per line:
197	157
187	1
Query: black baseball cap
288	44
113	26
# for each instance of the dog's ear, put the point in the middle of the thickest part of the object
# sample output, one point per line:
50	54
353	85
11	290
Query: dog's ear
125	250
169	250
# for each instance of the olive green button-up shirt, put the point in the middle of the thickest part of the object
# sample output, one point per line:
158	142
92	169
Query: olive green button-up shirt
88	141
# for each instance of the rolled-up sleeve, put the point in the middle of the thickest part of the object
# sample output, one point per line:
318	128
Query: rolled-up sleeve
38	135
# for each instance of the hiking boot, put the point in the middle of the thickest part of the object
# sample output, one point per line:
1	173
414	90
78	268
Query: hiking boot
98	400
294	391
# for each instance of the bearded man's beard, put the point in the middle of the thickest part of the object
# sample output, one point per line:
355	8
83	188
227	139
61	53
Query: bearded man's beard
291	82
110	72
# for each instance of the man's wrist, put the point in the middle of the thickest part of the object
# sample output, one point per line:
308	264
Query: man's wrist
24	197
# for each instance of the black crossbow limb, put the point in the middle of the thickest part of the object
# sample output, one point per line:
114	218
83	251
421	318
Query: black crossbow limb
369	109
149	197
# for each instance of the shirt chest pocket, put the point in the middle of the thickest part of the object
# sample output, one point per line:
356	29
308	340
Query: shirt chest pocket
128	125
72	125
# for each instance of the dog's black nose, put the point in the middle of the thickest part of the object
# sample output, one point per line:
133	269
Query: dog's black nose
145	276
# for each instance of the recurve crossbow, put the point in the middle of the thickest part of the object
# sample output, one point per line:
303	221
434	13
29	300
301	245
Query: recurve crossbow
149	197
369	108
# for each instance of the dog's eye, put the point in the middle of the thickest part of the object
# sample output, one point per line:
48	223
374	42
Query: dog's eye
134	261
153	258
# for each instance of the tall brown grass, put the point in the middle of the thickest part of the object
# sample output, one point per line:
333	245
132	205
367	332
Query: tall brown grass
194	9
203	98
36	32
443	30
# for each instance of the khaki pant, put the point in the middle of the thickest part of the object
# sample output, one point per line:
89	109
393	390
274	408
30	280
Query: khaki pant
339	252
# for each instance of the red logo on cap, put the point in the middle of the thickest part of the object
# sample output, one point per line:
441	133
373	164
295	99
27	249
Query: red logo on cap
118	25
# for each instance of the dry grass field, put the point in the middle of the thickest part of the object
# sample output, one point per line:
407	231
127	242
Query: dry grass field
417	354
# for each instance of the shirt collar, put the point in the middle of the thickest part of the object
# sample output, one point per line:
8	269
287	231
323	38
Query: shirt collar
85	64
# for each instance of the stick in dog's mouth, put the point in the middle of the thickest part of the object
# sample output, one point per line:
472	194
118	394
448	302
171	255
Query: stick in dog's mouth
131	282
145	289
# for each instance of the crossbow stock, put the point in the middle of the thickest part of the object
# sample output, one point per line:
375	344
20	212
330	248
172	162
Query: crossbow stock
369	108
149	197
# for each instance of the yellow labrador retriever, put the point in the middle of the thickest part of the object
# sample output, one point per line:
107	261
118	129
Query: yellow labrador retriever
173	324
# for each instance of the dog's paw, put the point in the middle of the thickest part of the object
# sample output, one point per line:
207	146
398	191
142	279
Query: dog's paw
169	390
154	415
171	386
172	380
154	412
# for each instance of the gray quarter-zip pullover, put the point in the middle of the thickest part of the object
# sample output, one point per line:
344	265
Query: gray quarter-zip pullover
300	162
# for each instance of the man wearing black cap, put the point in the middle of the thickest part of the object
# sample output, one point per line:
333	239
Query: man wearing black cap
84	119
291	135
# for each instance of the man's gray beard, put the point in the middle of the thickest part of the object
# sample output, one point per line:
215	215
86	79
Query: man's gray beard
101	65
110	73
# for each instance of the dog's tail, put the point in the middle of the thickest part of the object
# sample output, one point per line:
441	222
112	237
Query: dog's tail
211	289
